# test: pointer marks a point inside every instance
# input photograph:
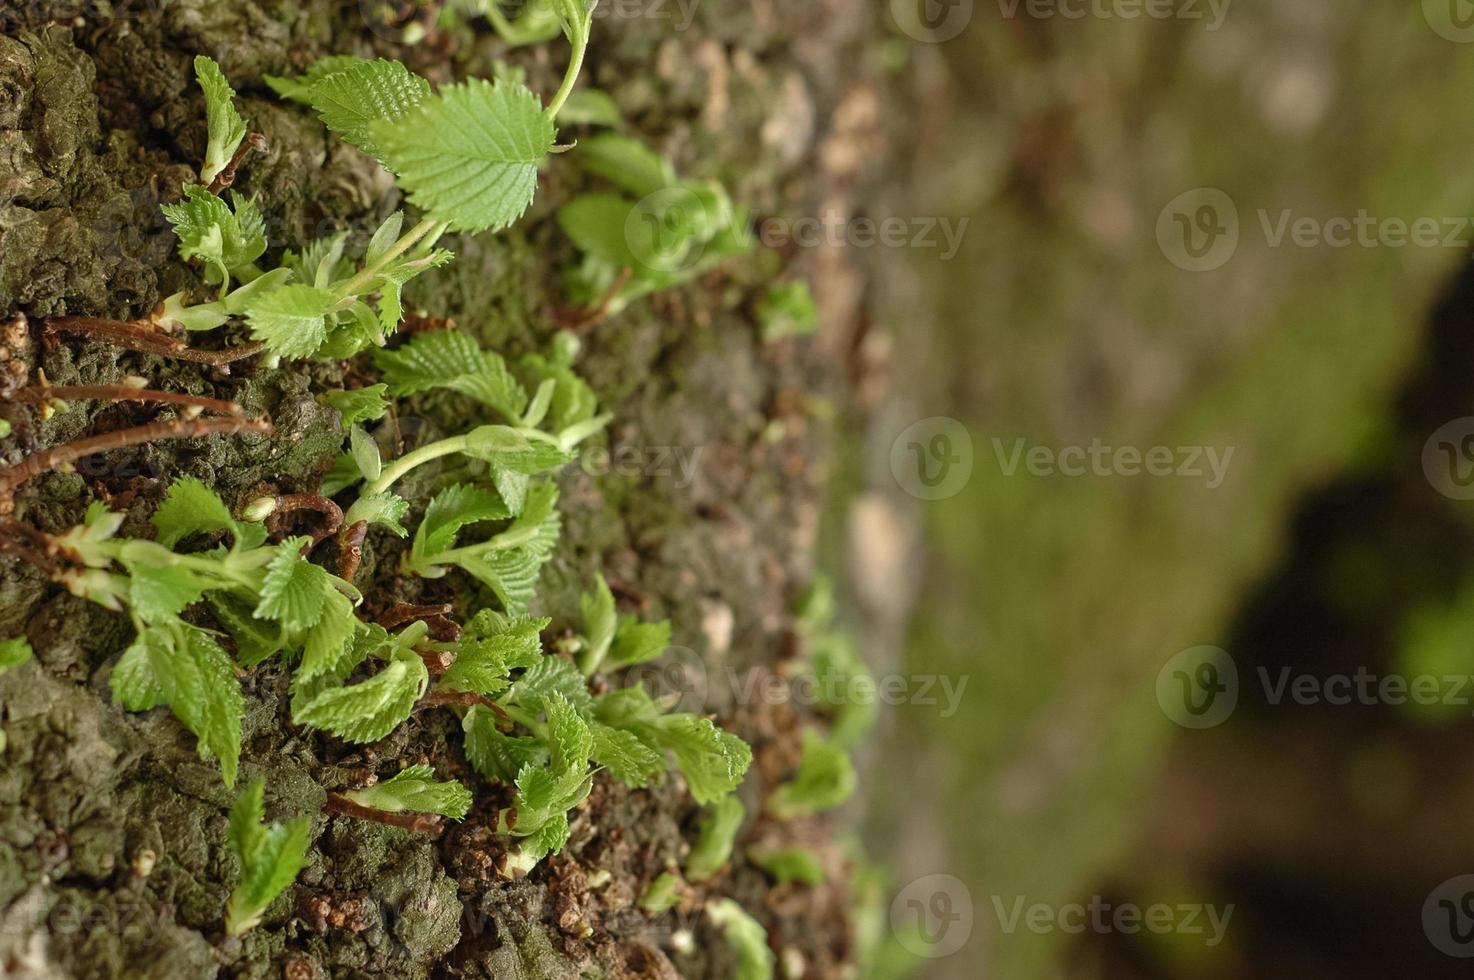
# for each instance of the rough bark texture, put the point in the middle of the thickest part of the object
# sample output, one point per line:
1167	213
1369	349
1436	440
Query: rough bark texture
111	829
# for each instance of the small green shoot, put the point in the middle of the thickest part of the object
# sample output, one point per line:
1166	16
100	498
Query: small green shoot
824	780
14	652
791	864
718	833
748	938
270	857
416	790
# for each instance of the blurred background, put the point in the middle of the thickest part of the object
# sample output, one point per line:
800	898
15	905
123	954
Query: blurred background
1174	479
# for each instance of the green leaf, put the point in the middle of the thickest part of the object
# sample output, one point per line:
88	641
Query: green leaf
416	790
330	638
638	643
14	652
298	88
792	864
713	761
159	592
371	709
664	892
227	241
270	858
381	509
293	320
508	449
550	678
365	453
788	310
357	96
452	509
256	641
190	507
627	163
224	122
598	223
469	154
590	107
358	404
447	359
825	779
484	662
569	738
628	758
599	623
294	589
495	754
749	940
717	833
182	666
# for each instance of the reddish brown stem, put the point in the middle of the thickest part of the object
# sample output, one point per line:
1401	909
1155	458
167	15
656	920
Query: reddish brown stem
438	618
34	546
425	823
596	314
226	177
350	547
464	699
49	459
143	338
332	515
122	393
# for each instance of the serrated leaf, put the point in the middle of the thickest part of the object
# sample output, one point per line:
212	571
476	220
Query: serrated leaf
713	761
483	663
224	123
506	448
447	359
569	738
352	99
416	790
469	154
371	709
291	320
190	507
382	510
495	754
638	643
270	858
825	779
228	241
256	640
551	677
627	757
159	592
358	404
330	638
599	622
297	88
294	589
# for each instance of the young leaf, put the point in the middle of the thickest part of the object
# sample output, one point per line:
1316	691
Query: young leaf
749	940
629	759
292	320
792	864
569	738
294	589
270	858
484	662
183	667
353	98
371	709
599	623
160	592
825	779
298	88
718	832
14	652
627	163
638	643
713	761
330	637
549	679
228	242
662	894
497	755
469	154
225	125
381	509
416	790
447	359
788	310
452	509
190	507
358	404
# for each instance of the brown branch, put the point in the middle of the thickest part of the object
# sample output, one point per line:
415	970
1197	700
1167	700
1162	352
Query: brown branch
350	547
439	618
599	312
332	514
39	394
33	545
425	823
226	177
464	699
49	459
142	337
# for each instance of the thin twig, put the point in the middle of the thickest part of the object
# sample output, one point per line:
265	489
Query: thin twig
350	548
142	337
331	512
226	177
464	699
599	312
34	546
425	823
49	459
438	617
40	394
